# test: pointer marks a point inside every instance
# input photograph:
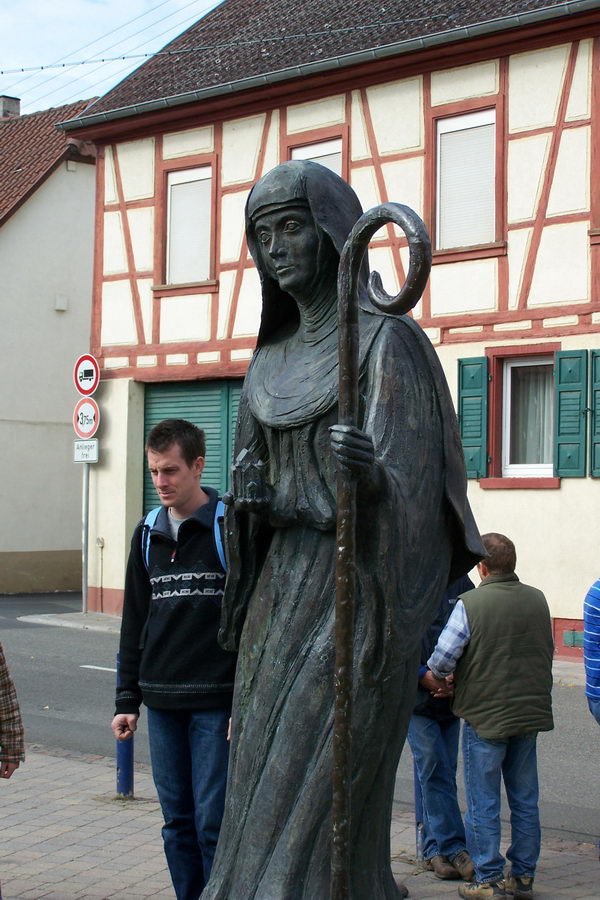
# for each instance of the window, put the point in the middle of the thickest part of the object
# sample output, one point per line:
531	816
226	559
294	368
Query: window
466	180
327	153
537	415
189	225
527	418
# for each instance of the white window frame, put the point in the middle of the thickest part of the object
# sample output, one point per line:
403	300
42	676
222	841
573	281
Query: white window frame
184	176
319	149
511	470
462	122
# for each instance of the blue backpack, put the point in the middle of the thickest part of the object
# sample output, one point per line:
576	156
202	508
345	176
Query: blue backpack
150	521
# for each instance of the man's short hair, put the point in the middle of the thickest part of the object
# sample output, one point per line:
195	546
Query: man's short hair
191	439
501	556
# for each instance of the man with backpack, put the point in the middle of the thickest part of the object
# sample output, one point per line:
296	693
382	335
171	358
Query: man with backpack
169	655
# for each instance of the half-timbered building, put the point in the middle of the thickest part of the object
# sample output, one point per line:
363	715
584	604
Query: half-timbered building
484	117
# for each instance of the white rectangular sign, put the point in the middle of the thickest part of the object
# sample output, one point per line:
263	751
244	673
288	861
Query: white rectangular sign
86	451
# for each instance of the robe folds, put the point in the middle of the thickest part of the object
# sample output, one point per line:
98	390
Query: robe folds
415	532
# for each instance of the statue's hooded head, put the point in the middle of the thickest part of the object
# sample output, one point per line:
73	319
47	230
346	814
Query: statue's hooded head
334	208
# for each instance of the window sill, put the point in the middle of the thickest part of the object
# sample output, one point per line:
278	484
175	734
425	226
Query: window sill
200	287
459	254
523	484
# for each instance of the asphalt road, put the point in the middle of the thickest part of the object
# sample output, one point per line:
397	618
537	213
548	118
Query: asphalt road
68	706
64	704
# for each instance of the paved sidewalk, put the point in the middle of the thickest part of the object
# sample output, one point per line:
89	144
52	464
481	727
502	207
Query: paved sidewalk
66	837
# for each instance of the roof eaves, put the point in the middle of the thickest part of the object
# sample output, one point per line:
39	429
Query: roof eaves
43	176
466	32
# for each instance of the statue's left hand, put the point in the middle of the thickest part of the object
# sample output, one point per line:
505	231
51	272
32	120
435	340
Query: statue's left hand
353	449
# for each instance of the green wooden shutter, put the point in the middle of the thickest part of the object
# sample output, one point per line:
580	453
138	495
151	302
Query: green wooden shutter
570	384
208	404
472	413
595	411
235	393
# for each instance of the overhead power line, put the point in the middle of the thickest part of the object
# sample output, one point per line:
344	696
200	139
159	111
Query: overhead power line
225	45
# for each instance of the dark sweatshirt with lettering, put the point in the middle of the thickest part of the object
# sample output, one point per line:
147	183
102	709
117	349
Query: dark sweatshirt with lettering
169	654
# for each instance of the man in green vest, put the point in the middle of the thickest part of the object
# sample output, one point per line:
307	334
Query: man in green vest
497	650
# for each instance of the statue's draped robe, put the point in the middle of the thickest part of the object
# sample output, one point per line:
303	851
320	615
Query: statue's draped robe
279	606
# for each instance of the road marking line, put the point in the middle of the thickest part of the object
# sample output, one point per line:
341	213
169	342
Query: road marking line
100	668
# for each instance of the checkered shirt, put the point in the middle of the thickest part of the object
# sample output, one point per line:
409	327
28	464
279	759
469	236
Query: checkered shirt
451	642
12	735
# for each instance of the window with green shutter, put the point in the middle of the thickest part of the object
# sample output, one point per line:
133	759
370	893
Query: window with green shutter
472	413
570	385
594	410
212	406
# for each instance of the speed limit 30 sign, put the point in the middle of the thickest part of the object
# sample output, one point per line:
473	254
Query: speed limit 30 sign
86	418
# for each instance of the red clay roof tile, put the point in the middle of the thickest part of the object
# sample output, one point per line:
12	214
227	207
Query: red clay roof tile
244	38
30	146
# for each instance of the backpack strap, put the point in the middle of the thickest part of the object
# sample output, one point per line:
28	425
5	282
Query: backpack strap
218	534
149	523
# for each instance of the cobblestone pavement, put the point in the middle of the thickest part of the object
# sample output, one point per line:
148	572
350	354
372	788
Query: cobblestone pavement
65	837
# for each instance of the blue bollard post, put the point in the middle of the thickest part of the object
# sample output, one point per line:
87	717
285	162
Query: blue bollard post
124	756
418	815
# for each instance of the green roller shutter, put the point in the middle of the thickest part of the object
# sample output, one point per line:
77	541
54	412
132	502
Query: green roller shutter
570	382
595	408
212	406
472	413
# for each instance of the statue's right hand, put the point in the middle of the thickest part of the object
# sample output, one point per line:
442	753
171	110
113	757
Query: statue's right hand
255	501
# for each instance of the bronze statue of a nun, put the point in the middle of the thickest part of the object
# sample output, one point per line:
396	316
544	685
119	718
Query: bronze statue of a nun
415	533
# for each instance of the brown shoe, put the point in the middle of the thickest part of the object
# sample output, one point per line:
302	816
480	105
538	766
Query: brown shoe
463	864
442	867
478	890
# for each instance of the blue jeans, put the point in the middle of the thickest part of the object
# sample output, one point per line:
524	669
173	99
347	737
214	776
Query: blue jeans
435	750
485	762
594	706
189	753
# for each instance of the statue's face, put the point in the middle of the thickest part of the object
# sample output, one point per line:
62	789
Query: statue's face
289	245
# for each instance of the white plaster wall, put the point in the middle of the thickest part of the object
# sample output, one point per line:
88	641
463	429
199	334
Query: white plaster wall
45	251
232	225
570	190
556	532
397	114
241	145
136	162
534	85
116	481
247	318
477	80
141	229
316	114
518	247
189	142
580	97
464	287
562	267
118	321
185	318
404	182
527	159
114	257
359	142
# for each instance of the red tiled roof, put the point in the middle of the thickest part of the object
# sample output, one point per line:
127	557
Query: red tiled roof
30	146
244	38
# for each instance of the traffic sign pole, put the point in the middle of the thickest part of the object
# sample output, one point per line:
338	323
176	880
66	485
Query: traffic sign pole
85	515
